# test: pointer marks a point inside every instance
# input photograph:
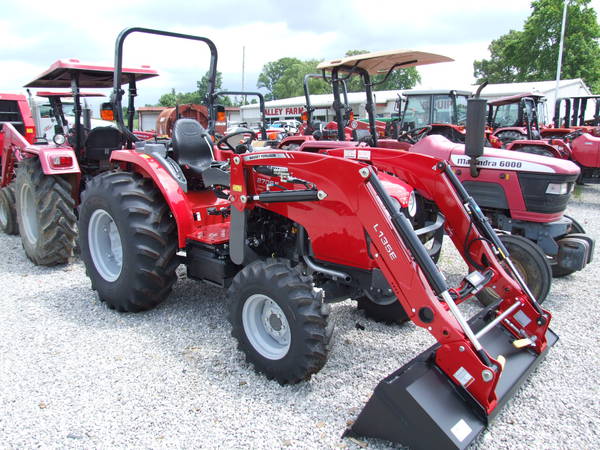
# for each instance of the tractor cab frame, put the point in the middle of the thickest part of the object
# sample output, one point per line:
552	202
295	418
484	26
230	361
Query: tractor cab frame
436	112
575	112
517	116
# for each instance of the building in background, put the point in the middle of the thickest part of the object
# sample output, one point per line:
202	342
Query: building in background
386	101
148	115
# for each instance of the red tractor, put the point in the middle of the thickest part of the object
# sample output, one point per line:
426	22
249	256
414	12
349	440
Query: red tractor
522	195
14	111
578	144
440	112
280	228
517	116
48	177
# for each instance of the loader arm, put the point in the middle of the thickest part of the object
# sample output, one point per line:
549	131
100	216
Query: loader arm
414	278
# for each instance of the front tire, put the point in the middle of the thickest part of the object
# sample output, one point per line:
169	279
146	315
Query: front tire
536	150
128	241
532	264
8	212
45	214
279	321
506	137
559	272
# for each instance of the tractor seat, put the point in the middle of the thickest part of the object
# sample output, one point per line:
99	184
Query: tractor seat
101	141
193	151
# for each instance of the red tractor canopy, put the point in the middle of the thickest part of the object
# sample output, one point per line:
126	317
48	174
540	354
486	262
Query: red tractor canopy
50	94
60	73
514	99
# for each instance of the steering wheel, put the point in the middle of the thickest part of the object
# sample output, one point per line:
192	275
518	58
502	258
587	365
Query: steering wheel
572	135
414	135
224	142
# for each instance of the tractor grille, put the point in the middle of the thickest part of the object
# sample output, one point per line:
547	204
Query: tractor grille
9	112
534	187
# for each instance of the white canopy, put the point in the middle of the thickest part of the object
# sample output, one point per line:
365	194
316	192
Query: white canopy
376	63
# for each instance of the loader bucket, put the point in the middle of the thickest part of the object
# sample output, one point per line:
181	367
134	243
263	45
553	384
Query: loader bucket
420	407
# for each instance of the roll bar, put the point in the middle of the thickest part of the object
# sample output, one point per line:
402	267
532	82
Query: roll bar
117	93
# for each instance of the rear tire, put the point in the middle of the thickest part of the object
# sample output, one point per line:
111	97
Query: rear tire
536	150
279	321
128	241
45	213
506	137
8	212
532	264
392	313
558	272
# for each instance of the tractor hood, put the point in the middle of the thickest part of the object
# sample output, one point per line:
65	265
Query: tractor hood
499	159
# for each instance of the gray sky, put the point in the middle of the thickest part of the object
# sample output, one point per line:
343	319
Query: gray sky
35	34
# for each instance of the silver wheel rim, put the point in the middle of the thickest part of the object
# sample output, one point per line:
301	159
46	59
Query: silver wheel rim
266	326
31	225
105	246
3	212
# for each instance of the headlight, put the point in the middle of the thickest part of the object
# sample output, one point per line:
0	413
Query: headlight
59	139
412	204
557	188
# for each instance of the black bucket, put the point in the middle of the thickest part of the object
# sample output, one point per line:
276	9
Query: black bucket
420	407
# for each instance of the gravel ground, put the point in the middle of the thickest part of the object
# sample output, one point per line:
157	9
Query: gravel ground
76	374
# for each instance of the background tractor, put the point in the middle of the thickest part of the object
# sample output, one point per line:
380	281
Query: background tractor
440	112
46	178
578	143
524	196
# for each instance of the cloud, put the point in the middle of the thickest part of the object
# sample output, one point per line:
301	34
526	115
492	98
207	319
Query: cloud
35	35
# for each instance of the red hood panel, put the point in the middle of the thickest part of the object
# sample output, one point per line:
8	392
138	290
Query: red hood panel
499	159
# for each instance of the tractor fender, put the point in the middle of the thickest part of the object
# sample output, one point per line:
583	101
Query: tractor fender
15	148
176	199
48	159
516	145
294	140
586	150
521	130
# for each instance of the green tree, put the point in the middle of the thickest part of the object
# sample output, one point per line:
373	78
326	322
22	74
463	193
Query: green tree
272	72
196	97
284	78
291	82
532	54
398	79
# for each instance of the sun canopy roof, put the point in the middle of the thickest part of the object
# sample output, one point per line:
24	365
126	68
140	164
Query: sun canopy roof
436	92
49	94
376	63
515	98
90	76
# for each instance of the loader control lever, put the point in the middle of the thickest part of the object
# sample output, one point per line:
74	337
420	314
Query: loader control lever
475	281
224	211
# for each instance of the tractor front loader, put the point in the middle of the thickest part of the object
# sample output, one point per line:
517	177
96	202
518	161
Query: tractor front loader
287	232
275	226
